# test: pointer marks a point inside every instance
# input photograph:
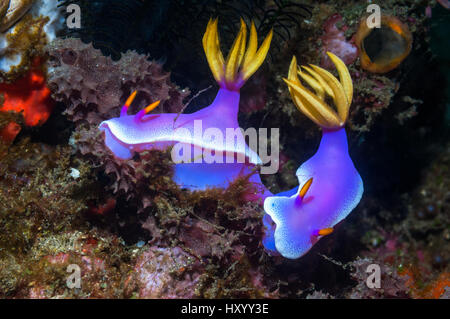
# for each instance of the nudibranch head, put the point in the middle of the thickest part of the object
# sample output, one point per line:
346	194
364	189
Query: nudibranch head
125	133
240	63
330	186
324	84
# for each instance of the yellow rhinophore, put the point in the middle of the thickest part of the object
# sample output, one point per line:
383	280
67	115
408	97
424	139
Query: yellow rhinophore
324	84
240	63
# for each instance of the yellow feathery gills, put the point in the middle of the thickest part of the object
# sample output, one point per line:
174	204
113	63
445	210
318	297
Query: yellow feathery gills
324	84
240	63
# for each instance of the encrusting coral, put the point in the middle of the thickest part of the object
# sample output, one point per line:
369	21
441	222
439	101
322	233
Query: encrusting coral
94	88
27	27
10	126
29	96
48	226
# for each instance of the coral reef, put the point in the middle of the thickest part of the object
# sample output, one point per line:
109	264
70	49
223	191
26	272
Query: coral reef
28	95
10	126
392	284
335	40
38	199
26	27
49	225
22	41
166	273
143	184
9	132
95	87
416	250
135	234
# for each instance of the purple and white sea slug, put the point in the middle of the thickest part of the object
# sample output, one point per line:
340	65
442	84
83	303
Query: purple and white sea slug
329	185
209	149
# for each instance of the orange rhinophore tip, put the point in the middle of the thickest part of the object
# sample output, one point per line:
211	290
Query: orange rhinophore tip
130	99
305	188
325	231
151	107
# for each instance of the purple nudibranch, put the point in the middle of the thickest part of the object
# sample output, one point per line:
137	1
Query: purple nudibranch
330	186
129	133
203	132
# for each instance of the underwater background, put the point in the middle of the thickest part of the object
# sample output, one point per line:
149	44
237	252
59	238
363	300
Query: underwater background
65	199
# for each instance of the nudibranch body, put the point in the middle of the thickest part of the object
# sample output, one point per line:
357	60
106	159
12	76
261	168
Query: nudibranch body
209	148
329	185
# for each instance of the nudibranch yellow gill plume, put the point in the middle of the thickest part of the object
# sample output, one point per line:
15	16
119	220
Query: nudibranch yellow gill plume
330	186
203	132
240	64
